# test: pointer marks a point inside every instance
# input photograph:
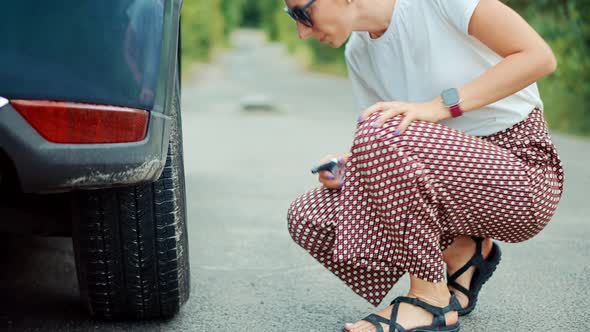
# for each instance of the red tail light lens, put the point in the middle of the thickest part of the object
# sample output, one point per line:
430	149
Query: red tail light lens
77	123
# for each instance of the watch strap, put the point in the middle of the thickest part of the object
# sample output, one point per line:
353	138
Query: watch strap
456	110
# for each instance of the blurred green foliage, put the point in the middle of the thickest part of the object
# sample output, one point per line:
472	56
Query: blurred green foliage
565	25
207	24
201	29
232	11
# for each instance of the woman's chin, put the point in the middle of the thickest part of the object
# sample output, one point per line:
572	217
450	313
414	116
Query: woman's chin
335	44
332	43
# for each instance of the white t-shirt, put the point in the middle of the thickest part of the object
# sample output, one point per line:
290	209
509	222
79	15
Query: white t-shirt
425	50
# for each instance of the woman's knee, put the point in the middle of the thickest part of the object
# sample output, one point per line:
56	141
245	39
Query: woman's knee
369	137
368	130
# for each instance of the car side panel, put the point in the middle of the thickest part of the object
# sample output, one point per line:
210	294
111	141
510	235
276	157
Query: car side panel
104	52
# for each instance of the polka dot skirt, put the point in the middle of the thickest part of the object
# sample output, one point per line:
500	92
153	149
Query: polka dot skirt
405	198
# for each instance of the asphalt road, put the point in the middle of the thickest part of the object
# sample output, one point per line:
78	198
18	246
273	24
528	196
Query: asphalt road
243	169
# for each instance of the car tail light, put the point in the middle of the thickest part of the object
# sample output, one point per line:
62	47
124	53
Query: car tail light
78	123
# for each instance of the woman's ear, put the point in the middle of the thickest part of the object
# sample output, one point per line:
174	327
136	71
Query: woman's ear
303	31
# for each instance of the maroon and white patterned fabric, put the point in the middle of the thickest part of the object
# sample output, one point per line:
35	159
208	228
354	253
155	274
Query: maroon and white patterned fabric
405	198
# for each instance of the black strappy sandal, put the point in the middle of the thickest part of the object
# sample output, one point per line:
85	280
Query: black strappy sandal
484	268
439	323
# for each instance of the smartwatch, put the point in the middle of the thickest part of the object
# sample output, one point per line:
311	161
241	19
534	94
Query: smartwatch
450	98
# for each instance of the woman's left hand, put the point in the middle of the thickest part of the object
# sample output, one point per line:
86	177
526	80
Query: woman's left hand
433	111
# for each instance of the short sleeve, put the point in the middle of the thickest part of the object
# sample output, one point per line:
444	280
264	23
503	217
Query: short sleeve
363	94
457	12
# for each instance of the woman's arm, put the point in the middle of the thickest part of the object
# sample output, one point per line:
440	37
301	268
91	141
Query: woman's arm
527	57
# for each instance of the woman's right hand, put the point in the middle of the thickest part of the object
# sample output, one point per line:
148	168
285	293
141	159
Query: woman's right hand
328	179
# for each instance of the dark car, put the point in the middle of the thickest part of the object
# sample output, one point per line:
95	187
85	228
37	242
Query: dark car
91	145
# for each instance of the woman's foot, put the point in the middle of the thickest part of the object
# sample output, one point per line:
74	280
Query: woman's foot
410	316
457	255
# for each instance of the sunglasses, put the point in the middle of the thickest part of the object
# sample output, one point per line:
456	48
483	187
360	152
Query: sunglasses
300	14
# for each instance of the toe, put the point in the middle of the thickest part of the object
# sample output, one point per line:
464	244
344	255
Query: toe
361	326
350	327
356	327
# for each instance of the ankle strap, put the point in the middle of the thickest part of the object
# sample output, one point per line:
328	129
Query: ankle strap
477	260
478	242
438	312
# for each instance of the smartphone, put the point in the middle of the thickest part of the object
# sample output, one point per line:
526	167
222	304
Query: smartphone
330	166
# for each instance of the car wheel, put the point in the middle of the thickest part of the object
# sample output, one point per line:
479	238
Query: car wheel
131	243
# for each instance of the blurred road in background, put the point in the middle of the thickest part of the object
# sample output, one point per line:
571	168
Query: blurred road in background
254	124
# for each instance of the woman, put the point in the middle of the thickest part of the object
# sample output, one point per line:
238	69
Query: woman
451	150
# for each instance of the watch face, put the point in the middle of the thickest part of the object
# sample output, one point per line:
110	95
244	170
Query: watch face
450	97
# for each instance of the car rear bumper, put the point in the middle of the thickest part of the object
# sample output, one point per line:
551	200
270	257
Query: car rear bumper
43	166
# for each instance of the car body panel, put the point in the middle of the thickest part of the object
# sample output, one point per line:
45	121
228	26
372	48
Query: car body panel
112	52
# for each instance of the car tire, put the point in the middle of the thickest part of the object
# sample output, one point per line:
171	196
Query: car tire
131	243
